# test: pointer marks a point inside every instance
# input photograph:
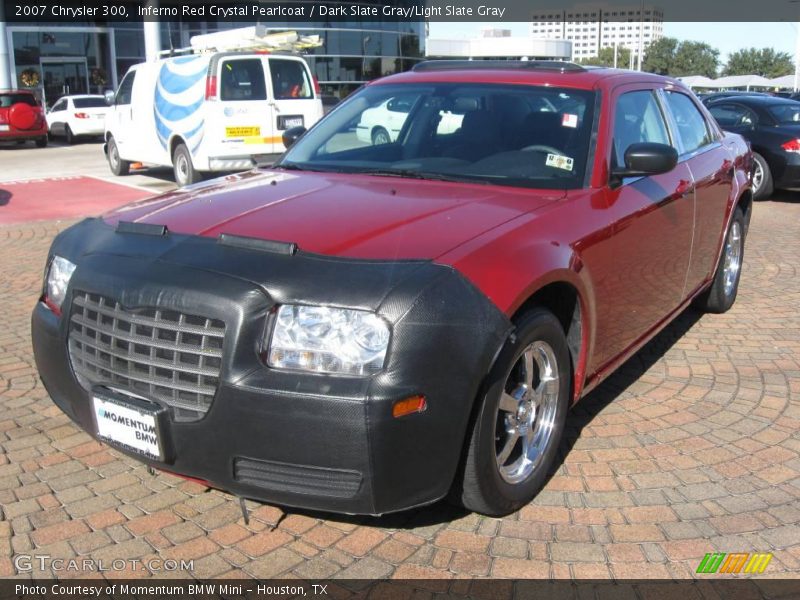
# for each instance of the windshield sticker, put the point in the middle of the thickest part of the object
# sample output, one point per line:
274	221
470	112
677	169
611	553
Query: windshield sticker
560	162
568	120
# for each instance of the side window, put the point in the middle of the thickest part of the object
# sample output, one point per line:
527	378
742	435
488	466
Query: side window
243	80
290	80
125	89
637	119
733	115
60	105
692	127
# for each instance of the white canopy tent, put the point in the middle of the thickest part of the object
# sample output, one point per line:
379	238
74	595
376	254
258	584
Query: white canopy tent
787	81
745	81
698	81
738	81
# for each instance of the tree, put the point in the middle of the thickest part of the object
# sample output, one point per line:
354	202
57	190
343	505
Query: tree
605	57
695	58
765	62
668	56
660	55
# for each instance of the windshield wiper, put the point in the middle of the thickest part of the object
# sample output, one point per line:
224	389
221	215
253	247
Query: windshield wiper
428	175
288	167
297	167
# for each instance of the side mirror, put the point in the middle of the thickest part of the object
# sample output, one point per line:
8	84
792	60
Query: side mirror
110	96
291	135
647	159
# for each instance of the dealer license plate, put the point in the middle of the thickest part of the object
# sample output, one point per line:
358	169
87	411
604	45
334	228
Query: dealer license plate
238	132
128	425
4	127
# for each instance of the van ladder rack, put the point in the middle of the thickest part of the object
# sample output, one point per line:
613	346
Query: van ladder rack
248	39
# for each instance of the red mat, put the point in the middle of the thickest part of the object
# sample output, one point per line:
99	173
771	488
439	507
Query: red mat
62	198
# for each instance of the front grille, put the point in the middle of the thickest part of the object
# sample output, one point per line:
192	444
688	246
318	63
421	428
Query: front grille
160	354
297	479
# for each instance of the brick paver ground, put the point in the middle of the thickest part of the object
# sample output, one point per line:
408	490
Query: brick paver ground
691	448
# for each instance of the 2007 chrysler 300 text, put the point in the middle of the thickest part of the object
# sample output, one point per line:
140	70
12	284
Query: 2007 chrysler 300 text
372	324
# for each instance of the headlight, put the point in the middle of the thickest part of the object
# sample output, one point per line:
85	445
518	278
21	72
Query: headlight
328	340
58	276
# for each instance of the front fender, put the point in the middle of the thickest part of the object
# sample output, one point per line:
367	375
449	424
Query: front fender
517	263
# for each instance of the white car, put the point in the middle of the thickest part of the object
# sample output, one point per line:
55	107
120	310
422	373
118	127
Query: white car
382	124
74	116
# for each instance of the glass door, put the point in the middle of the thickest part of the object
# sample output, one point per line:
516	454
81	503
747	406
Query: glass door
61	77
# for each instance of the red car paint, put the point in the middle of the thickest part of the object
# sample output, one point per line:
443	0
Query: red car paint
635	258
21	120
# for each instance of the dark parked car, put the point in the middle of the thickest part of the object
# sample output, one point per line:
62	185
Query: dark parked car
788	94
772	126
367	328
22	118
713	96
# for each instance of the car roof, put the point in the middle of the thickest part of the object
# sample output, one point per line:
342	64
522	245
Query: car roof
764	100
523	72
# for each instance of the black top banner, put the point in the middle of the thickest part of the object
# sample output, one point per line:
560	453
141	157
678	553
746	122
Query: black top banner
316	13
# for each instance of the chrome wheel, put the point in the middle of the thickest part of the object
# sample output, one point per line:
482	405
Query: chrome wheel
526	413
733	257
758	176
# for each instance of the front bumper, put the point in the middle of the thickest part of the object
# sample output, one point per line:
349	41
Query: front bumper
314	441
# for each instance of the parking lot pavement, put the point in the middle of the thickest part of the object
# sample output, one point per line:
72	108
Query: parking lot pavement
67	197
81	159
692	447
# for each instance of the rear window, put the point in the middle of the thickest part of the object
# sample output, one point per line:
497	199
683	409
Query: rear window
290	80
243	80
785	113
7	100
89	102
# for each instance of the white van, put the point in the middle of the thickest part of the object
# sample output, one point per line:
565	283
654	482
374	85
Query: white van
218	111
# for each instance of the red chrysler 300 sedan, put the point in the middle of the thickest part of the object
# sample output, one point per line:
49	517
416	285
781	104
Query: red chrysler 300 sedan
376	322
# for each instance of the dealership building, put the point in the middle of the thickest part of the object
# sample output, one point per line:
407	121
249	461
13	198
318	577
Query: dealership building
497	43
78	57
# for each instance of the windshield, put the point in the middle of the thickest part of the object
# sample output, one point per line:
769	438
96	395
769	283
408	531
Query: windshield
98	102
531	136
786	113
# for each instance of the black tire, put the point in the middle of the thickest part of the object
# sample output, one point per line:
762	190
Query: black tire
182	167
69	137
380	136
119	166
766	187
41	142
722	293
480	486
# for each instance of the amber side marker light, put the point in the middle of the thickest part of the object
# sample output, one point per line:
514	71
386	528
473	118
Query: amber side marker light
409	406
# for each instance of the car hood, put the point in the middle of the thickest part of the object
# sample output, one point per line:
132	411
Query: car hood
337	214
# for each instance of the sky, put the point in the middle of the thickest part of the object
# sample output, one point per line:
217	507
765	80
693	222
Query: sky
726	37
